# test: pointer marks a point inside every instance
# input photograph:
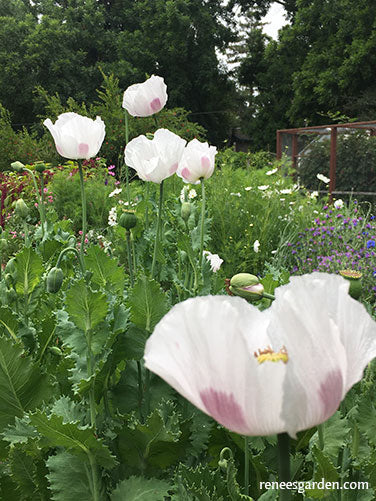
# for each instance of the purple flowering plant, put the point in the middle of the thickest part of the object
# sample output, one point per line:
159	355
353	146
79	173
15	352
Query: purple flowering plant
337	239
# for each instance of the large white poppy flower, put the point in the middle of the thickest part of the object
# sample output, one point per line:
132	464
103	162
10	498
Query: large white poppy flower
76	136
155	159
285	369
198	162
145	99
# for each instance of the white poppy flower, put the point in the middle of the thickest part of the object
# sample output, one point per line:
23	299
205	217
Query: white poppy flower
323	178
284	369
76	136
214	260
197	162
155	159
145	99
338	204
256	246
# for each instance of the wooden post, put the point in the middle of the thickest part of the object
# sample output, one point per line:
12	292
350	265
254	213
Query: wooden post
279	146
333	162
294	149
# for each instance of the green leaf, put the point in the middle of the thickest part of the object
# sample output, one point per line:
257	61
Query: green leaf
23	386
78	441
29	269
68	477
8	322
159	442
106	272
336	431
85	307
20	432
147	302
23	470
141	489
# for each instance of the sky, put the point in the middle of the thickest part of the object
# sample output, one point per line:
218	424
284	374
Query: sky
275	20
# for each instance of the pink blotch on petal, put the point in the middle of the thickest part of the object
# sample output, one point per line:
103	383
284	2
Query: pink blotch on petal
155	105
173	168
205	162
186	173
331	393
224	409
83	149
59	150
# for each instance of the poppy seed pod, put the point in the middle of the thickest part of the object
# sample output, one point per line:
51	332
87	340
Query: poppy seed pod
354	277
185	210
40	167
128	220
54	280
21	209
247	286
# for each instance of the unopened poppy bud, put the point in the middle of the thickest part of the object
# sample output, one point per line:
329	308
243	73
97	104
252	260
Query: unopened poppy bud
56	351
128	220
185	210
17	166
21	209
247	286
54	280
354	277
40	167
3	244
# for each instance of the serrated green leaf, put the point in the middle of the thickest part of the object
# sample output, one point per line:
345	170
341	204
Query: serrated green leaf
23	471
76	440
366	418
324	467
70	411
147	303
68	477
20	432
106	272
141	489
29	269
85	307
159	442
336	431
23	386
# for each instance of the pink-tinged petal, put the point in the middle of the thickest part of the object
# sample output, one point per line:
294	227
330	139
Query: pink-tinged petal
330	393
205	162
173	168
224	409
156	105
83	150
186	173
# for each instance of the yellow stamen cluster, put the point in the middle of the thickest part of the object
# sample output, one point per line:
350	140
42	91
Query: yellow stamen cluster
269	355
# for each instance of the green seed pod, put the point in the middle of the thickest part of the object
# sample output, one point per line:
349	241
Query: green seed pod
247	286
185	210
128	220
40	167
21	209
17	166
54	280
354	277
3	244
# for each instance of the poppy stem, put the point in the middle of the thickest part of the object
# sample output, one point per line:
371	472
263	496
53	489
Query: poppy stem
126	166
158	229
84	216
202	221
246	466
320	432
268	296
130	262
284	464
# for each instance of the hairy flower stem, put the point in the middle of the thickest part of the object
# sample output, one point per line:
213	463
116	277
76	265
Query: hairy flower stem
246	466
202	222
42	206
75	251
320	432
126	166
84	216
129	252
39	199
284	464
147	206
158	230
